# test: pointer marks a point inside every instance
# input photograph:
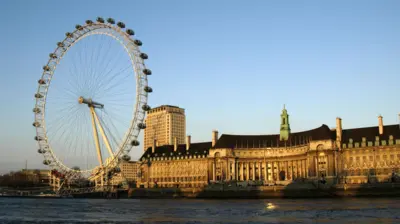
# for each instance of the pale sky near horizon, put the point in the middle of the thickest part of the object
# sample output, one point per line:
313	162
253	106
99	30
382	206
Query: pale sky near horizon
231	64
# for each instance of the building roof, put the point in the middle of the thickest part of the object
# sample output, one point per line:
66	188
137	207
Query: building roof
199	148
370	133
261	141
165	106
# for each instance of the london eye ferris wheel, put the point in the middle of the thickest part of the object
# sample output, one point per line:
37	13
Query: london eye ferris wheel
92	98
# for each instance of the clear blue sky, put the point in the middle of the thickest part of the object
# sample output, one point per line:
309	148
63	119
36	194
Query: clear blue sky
231	64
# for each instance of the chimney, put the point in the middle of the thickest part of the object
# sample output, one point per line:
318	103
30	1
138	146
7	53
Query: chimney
380	122
175	144
153	148
187	142
214	137
339	130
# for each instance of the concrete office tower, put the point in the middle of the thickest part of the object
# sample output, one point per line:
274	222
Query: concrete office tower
163	124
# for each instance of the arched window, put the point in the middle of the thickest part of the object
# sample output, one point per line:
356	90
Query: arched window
283	120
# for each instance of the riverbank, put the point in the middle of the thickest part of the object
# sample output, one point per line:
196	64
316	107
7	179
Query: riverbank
265	192
303	190
30	196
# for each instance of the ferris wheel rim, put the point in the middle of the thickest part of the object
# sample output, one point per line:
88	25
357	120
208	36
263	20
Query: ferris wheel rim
138	114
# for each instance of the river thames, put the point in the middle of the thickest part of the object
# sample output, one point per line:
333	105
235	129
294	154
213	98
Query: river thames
351	210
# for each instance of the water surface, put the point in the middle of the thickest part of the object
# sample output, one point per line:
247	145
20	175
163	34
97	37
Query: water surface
351	210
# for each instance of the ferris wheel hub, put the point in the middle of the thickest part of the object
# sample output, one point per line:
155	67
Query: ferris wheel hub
90	102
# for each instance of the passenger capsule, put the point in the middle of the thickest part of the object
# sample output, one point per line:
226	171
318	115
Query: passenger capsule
79	27
141	125
111	20
38	138
36	124
130	32
52	55
148	89
144	56
41	81
146	107
46	68
100	20
41	151
135	143
38	95
126	158
60	44
147	71
36	110
138	42
89	22
46	162
69	35
117	170
121	25
76	168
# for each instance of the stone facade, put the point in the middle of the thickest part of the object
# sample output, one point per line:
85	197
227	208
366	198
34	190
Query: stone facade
361	155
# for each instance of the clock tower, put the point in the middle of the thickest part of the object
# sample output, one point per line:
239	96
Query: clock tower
285	126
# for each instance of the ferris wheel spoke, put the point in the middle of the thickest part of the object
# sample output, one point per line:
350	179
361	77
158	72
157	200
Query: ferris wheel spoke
103	84
59	99
102	80
113	81
69	134
114	116
58	120
59	128
73	73
104	58
119	104
129	94
107	126
68	111
112	61
79	124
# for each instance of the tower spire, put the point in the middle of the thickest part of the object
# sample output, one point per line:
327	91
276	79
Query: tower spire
285	126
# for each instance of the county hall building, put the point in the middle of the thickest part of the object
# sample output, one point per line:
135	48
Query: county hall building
338	155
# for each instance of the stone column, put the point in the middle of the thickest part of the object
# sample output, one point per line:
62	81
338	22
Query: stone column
305	169
266	171
236	170
301	174
241	171
274	165
316	160
259	170
213	170
299	166
291	170
248	171
254	170
286	170
336	165
279	170
228	170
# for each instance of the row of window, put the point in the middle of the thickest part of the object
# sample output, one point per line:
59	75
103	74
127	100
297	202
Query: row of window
371	158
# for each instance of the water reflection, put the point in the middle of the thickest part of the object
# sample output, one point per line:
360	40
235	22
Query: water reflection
270	206
380	210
